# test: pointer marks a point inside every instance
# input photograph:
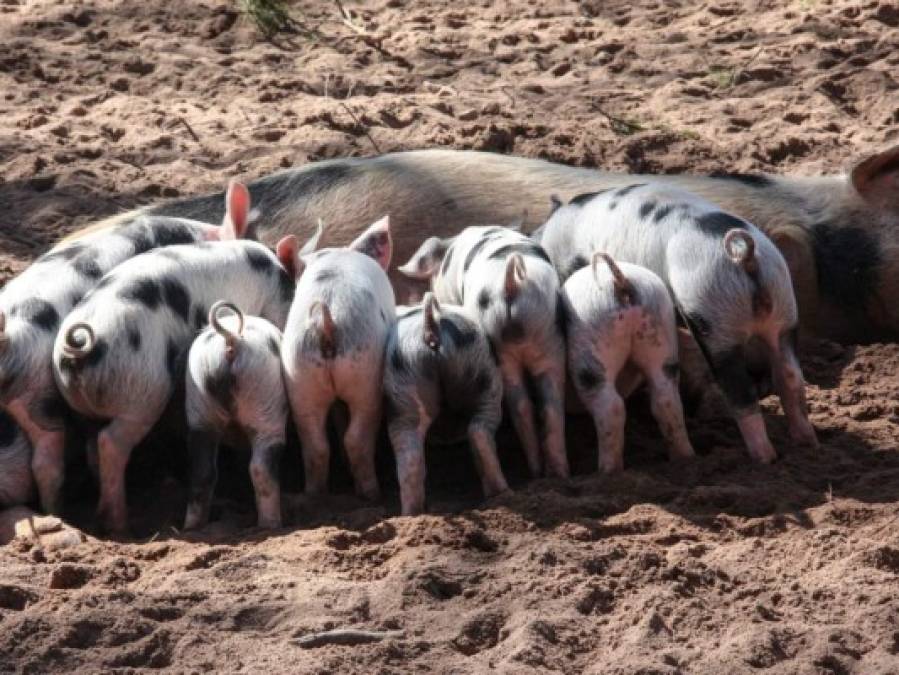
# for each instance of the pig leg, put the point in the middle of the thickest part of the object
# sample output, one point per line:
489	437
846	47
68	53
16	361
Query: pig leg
361	437
482	438
551	385
732	376
115	443
265	467
47	435
666	407
311	395
203	446
408	440
518	402
594	375
790	388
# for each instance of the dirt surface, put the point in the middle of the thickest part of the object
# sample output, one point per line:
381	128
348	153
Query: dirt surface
709	567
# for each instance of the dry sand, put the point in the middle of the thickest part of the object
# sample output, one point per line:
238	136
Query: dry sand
716	566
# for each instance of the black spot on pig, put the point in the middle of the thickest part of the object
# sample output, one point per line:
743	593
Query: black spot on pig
622	192
646	208
51	411
66	253
39	313
176	297
286	286
589	378
525	249
732	375
750	179
484	299
512	331
327	276
145	291
259	261
662	213
718	223
220	385
671	370
460	333
584	197
97	354
447	259
172	234
848	261
273	345
140	237
273	460
87	266
474	250
134	339
561	316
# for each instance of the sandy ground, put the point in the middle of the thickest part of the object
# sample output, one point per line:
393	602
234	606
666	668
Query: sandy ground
711	567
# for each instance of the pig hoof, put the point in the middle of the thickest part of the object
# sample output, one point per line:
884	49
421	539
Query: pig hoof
765	455
806	437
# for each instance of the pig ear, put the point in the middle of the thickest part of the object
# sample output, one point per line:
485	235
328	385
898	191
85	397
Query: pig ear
555	203
877	178
425	262
515	276
376	242
311	246
237	211
519	222
288	254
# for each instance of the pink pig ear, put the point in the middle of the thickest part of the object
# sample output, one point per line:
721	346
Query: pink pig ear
237	211
288	252
376	242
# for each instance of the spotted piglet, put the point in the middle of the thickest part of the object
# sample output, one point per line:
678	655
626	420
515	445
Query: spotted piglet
333	349
730	284
16	482
235	389
439	365
508	282
120	353
33	304
620	315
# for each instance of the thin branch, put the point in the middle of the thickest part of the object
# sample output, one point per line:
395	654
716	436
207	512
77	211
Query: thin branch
362	126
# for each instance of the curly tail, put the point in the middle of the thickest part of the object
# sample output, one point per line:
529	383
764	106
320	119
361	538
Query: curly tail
740	247
215	320
323	324
624	290
4	338
431	328
78	341
516	273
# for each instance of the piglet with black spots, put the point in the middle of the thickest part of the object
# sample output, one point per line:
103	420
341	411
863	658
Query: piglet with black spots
333	350
120	353
235	390
622	316
508	282
16	481
440	368
729	282
33	305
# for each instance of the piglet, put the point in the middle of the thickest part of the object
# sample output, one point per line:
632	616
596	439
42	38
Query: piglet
729	282
16	482
508	282
33	304
235	388
439	364
620	315
333	349
120	353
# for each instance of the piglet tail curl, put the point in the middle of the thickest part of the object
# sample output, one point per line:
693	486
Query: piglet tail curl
4	338
78	341
740	247
516	273
431	328
215	320
624	290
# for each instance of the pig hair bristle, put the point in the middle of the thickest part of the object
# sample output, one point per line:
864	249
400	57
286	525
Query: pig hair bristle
516	273
431	326
74	348
745	255
623	289
231	339
320	314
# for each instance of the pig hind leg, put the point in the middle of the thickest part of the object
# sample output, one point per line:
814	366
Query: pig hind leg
115	443
265	464
594	376
481	437
790	388
310	413
551	387
46	432
660	367
361	436
203	446
521	411
407	433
